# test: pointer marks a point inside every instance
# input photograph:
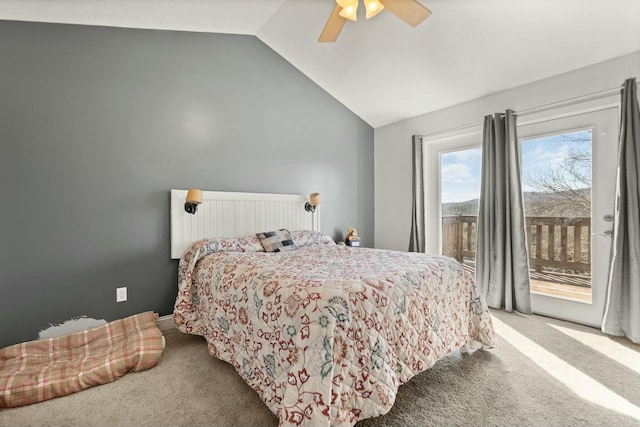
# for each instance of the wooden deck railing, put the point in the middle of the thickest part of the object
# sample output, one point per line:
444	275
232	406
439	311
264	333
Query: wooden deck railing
562	243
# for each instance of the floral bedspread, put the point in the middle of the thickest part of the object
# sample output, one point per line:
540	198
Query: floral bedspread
326	334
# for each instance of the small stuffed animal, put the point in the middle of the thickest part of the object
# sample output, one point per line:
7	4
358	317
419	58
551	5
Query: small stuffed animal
352	238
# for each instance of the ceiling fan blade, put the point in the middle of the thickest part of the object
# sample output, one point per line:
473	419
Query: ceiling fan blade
410	11
333	26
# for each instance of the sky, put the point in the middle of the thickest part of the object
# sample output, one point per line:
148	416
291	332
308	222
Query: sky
460	170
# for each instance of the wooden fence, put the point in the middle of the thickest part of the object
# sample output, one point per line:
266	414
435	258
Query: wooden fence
562	243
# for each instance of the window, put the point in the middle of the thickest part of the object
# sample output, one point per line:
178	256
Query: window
568	178
556	183
460	173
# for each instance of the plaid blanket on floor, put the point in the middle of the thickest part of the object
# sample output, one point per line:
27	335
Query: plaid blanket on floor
34	371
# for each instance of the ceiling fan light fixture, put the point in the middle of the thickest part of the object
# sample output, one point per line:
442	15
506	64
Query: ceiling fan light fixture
410	11
349	9
373	7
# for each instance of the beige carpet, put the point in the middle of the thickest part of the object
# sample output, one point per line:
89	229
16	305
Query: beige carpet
498	387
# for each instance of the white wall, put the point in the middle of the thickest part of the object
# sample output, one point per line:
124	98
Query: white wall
392	151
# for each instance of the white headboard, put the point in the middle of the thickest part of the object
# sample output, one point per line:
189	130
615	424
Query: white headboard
226	214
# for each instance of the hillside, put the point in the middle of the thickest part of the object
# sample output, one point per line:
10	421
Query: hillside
575	203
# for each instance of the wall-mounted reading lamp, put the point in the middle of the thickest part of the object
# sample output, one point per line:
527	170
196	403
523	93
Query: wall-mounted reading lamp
193	199
314	200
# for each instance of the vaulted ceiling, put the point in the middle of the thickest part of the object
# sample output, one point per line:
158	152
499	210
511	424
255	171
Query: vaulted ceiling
382	69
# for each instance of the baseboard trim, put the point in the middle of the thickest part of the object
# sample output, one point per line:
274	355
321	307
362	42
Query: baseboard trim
165	323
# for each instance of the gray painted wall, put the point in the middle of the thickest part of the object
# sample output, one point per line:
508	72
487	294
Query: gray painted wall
98	124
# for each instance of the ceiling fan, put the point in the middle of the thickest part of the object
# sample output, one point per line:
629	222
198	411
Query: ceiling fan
410	11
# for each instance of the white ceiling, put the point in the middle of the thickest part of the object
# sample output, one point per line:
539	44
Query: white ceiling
382	69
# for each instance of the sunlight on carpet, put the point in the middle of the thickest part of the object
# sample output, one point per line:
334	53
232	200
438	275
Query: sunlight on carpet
606	346
578	382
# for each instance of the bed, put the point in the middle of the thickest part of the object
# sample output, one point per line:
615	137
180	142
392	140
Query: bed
326	333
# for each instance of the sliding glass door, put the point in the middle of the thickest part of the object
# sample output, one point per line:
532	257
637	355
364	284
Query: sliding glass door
557	183
568	175
569	171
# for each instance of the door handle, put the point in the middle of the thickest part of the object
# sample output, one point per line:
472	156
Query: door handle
608	233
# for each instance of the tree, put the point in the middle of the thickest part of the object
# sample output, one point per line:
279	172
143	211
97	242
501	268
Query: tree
564	188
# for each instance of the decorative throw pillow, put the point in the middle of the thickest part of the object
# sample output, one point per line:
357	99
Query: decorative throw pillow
276	241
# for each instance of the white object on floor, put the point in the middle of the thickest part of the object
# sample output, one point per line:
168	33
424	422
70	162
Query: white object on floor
70	326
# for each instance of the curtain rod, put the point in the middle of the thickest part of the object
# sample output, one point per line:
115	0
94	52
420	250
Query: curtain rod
550	105
537	109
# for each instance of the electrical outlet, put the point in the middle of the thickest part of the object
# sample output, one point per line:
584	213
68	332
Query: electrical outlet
121	294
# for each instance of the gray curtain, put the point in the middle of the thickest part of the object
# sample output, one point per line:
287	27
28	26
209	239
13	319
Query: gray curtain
502	262
622	310
417	240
